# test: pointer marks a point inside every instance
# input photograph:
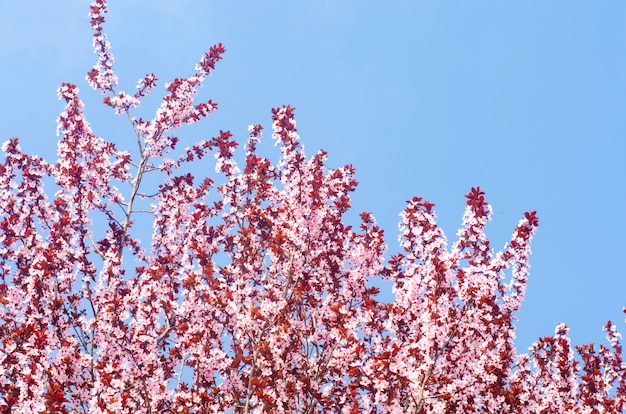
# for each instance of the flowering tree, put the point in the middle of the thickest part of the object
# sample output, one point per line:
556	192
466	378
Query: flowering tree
254	295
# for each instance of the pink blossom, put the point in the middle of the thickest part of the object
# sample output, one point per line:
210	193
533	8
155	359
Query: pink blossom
253	294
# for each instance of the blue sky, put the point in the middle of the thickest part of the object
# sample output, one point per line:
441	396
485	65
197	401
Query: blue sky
523	98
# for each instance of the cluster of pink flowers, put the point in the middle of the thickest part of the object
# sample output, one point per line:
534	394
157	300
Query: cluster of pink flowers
254	295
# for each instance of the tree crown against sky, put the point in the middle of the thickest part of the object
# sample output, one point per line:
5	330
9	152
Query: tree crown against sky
254	295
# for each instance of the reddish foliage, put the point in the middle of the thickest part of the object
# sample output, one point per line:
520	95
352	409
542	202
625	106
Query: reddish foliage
253	295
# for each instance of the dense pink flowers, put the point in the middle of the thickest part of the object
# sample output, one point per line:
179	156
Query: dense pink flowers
252	294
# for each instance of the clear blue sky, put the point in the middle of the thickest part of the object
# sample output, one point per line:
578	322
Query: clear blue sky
524	98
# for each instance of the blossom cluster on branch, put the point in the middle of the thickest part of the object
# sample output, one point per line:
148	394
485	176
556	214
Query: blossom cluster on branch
253	294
